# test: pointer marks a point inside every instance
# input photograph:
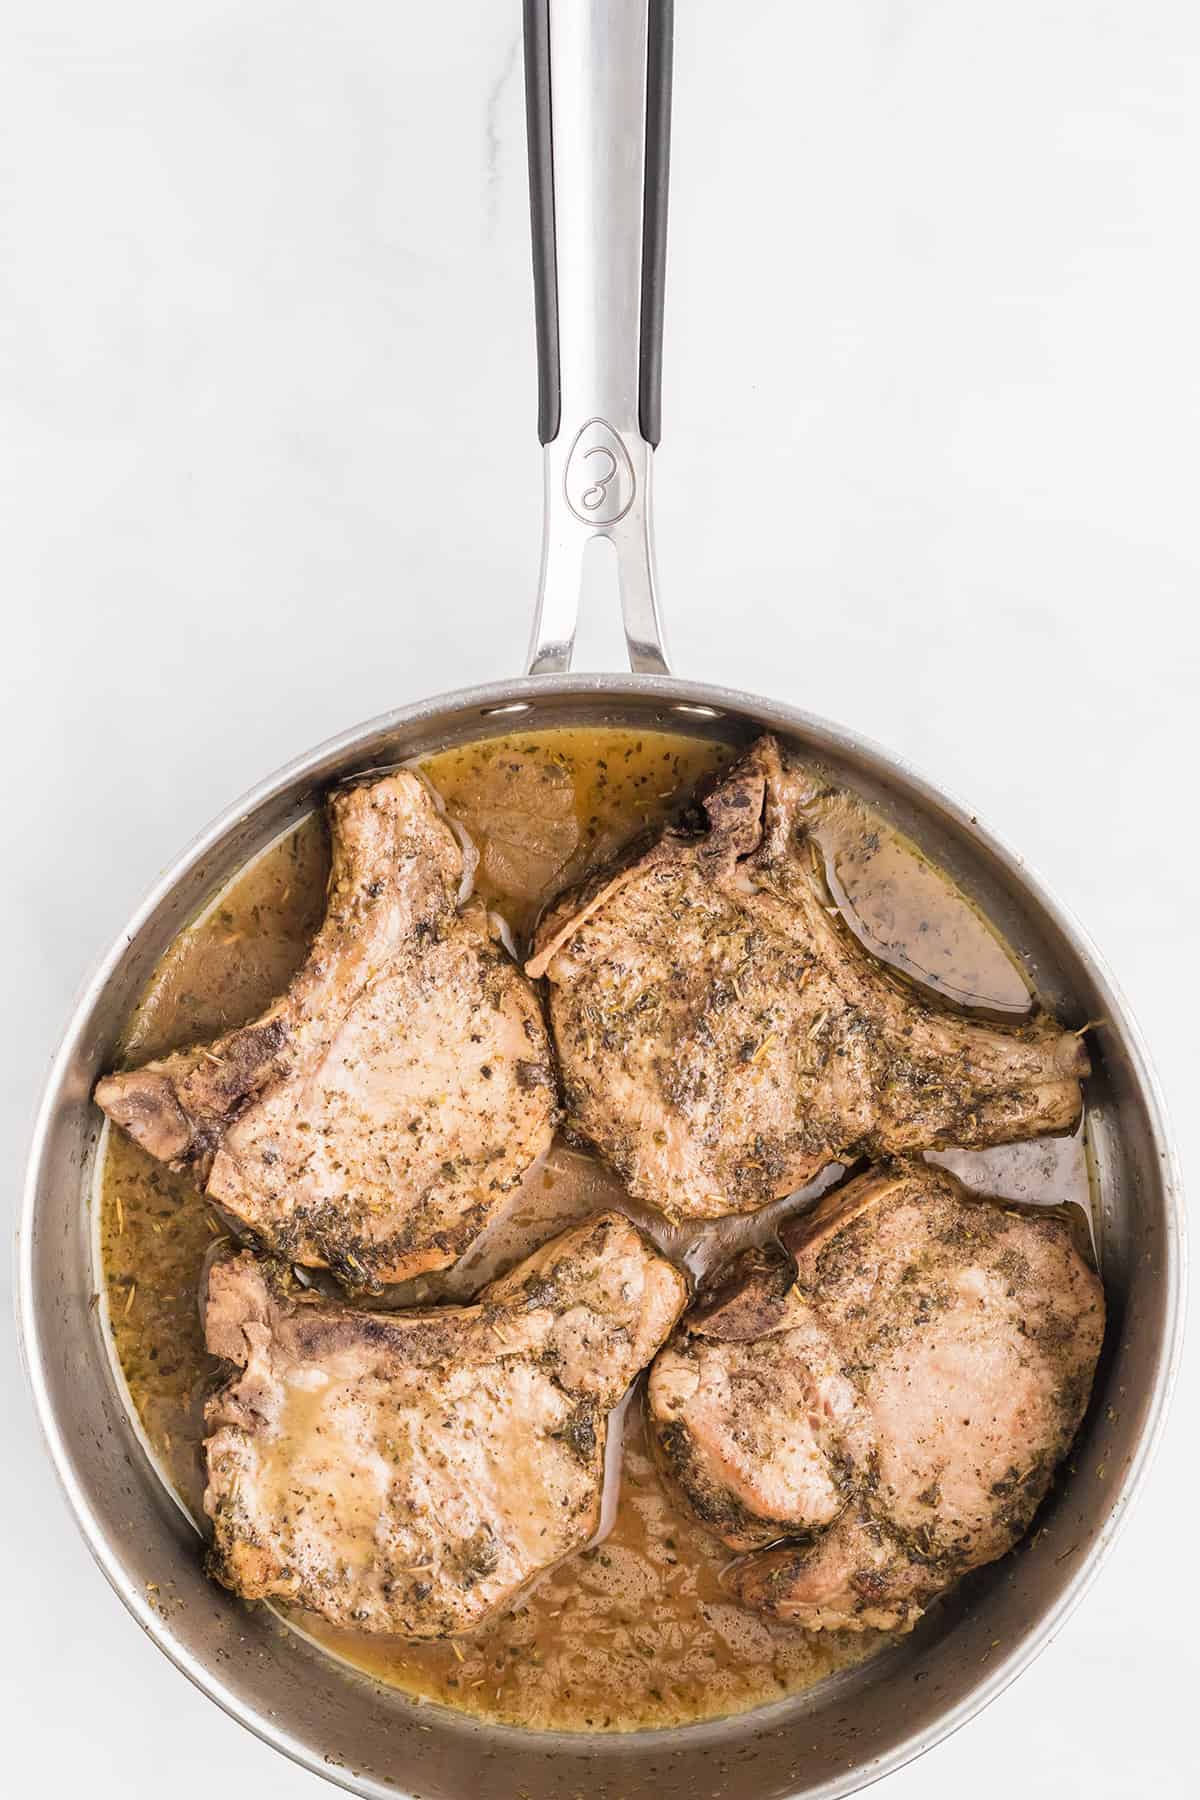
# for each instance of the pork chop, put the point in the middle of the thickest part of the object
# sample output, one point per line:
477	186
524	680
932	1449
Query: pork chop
722	1034
898	1408
375	1116
410	1472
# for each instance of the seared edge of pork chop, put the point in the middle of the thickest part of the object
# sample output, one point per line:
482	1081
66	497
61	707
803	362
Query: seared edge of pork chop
857	1576
374	1116
410	1472
722	1034
966	1332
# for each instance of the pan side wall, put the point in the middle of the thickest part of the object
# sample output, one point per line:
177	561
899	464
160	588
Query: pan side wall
372	1739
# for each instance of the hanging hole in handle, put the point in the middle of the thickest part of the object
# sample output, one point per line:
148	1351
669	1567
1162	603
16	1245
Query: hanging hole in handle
498	712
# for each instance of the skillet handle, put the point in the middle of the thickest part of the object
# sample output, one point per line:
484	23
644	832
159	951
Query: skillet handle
597	92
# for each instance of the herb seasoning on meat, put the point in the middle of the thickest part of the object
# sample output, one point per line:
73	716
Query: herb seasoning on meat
637	1630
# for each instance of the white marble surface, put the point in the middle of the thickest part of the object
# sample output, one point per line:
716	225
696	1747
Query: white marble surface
932	412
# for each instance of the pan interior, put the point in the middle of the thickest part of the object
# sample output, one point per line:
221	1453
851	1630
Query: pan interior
373	1738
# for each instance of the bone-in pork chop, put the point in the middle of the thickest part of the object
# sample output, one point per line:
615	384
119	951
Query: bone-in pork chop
373	1119
899	1408
409	1472
722	1034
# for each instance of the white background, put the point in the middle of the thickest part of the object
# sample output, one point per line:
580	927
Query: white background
932	419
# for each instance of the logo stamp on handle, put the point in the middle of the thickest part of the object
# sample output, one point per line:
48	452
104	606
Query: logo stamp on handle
598	481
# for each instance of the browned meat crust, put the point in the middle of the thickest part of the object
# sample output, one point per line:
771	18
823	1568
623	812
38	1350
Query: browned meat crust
722	1034
374	1118
898	1414
409	1472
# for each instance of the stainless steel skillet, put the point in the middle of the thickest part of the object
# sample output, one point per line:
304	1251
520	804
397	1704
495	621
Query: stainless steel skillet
598	72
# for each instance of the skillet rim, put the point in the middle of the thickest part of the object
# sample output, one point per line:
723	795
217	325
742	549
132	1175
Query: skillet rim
490	700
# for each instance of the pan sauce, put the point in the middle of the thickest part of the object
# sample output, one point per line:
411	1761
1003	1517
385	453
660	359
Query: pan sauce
635	1631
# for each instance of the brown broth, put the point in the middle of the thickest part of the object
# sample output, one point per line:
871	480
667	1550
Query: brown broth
634	1631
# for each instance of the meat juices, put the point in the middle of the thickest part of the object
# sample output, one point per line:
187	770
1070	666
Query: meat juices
373	1119
637	1630
410	1472
899	1409
722	1035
